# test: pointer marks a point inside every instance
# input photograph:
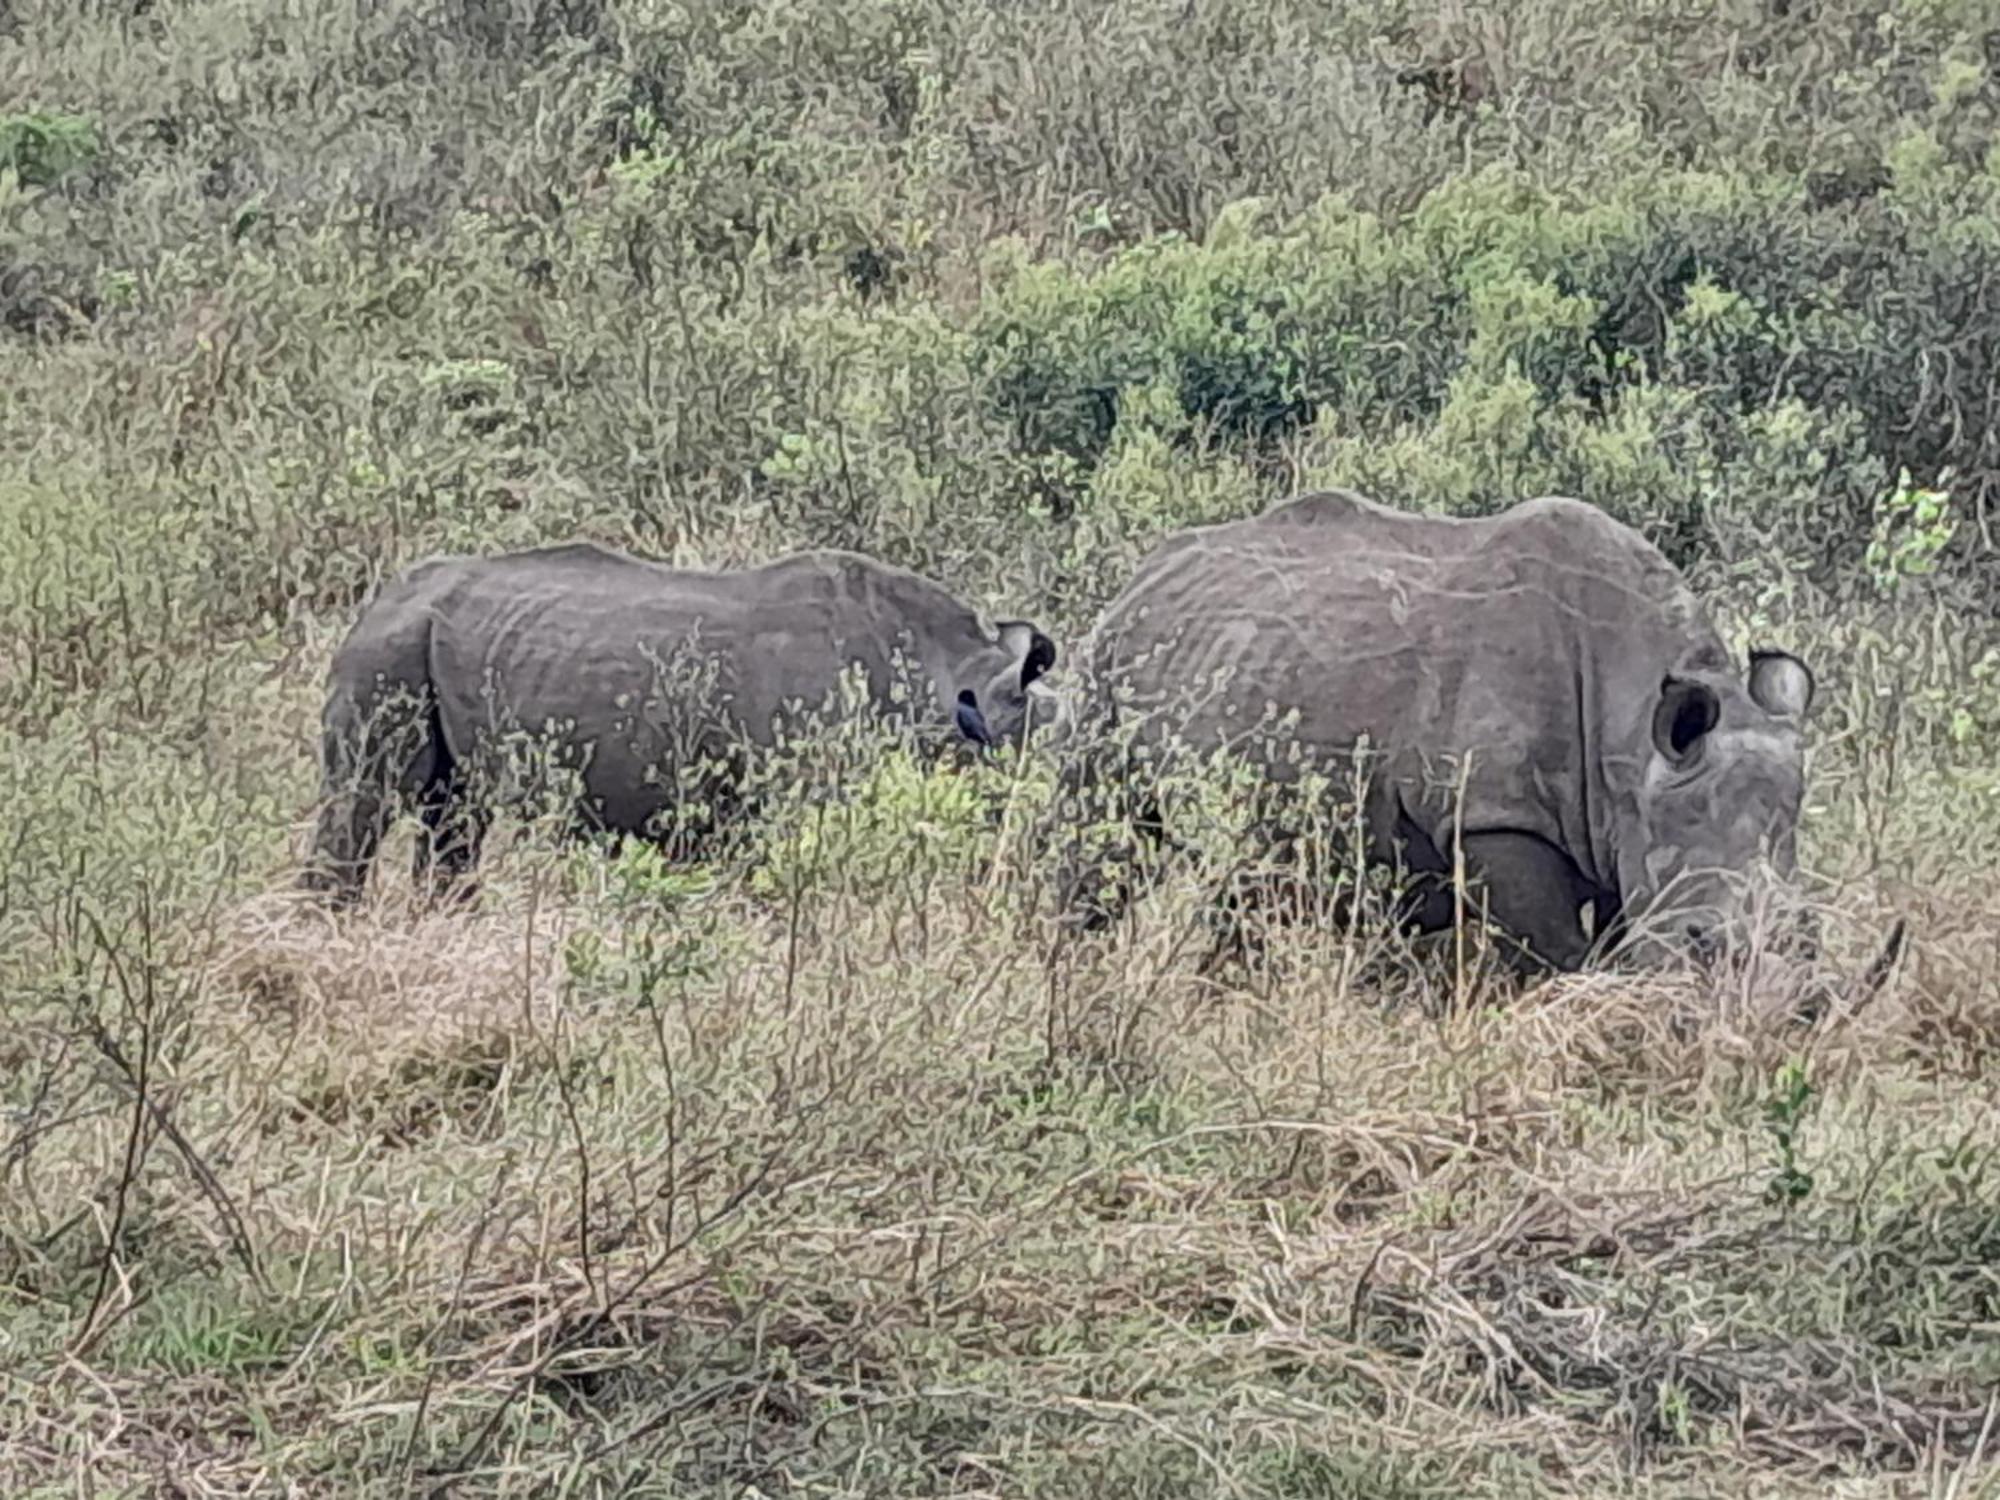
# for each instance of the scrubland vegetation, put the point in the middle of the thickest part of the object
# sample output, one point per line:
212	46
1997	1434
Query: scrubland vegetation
820	1169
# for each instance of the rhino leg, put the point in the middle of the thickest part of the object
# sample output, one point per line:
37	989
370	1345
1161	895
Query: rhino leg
1108	860
447	851
1528	888
1534	892
372	759
346	834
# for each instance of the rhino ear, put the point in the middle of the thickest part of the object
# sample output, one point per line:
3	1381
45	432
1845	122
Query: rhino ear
1781	683
1687	710
1035	651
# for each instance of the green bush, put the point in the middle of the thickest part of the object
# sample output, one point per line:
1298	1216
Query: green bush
42	149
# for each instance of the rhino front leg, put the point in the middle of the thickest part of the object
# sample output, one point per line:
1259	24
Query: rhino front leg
1532	891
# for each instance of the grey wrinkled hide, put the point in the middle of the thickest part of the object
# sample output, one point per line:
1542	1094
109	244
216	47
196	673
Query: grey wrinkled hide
656	680
1618	759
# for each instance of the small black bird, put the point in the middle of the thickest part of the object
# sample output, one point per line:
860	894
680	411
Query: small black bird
971	722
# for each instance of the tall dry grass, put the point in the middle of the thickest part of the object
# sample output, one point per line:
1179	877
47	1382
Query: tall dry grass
631	1181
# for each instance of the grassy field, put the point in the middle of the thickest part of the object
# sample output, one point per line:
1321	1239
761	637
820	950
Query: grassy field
822	1169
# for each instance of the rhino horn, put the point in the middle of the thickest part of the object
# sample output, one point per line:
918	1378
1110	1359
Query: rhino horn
1877	971
1863	988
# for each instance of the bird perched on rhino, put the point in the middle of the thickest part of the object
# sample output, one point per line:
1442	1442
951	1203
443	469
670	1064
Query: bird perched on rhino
971	722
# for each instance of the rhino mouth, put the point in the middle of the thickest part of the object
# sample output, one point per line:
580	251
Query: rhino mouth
1706	941
1714	947
1718	942
1706	944
1716	916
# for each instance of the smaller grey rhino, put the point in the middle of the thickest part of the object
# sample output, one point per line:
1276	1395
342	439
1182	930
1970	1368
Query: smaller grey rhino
1537	689
653	683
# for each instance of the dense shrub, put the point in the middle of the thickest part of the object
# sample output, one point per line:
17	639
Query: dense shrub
933	279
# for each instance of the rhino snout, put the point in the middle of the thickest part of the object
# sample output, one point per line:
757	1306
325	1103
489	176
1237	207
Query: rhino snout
1046	710
1704	942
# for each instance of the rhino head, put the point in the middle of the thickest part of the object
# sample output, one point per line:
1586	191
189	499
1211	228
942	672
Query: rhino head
1003	680
1717	804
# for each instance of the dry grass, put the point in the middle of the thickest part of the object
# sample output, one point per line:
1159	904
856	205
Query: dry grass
869	1194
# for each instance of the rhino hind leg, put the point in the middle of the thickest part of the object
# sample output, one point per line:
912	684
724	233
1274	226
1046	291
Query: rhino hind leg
454	829
371	765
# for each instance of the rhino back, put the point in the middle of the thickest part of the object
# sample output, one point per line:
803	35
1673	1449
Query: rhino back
1534	639
648	663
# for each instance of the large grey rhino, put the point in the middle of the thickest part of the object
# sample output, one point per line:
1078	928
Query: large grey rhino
655	680
1538	689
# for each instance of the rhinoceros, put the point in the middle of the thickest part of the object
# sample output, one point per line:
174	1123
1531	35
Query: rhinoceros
1538	690
653	681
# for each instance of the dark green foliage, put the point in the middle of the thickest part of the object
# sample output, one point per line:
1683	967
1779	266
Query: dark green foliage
42	149
1784	1112
918	277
